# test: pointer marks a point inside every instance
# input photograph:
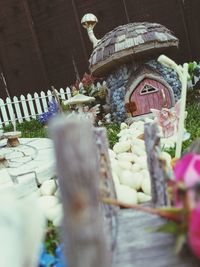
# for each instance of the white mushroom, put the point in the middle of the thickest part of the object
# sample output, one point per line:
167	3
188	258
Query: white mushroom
89	21
79	100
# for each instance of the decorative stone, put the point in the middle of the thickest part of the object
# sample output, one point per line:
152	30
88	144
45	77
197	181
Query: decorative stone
142	198
12	138
122	147
48	188
47	202
54	212
146	186
126	194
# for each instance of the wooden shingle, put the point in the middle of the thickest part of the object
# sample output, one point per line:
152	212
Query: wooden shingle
130	39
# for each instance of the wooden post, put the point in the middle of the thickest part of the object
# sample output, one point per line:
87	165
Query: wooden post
106	185
78	176
156	165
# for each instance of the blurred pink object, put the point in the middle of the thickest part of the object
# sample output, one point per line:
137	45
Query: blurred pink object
168	119
187	170
194	230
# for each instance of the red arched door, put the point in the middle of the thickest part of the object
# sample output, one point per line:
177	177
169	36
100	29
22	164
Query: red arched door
150	94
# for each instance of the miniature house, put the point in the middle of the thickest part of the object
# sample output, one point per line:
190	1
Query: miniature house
126	58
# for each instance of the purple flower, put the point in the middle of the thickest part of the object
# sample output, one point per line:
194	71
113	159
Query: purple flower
52	111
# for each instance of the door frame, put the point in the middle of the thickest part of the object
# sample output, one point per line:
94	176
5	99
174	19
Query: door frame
139	79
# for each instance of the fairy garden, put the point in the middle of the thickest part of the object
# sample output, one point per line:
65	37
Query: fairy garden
57	170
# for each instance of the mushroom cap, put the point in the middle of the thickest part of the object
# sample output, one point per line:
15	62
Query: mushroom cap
89	19
14	134
129	41
79	99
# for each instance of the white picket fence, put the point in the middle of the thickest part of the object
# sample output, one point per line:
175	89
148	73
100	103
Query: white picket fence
29	107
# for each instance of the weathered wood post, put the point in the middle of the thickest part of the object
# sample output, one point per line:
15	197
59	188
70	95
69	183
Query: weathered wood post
78	177
156	165
106	186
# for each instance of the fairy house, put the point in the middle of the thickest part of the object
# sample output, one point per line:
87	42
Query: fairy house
126	58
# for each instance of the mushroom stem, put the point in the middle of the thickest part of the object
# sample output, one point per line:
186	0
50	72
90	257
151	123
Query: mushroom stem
80	108
92	37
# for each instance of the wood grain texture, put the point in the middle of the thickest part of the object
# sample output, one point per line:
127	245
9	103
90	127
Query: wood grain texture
156	165
138	247
78	177
107	187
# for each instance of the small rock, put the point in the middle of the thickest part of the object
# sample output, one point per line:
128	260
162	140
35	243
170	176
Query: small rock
47	202
48	188
54	212
143	197
126	195
146	186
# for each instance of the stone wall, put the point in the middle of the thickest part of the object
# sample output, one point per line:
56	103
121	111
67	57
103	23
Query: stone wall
118	79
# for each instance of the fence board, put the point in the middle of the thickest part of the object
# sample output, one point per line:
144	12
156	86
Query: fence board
44	101
3	112
62	94
30	61
49	95
68	91
10	109
38	104
31	106
18	110
25	108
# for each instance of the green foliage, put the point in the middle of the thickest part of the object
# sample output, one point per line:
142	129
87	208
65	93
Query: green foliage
192	123
112	130
194	69
29	129
51	238
192	126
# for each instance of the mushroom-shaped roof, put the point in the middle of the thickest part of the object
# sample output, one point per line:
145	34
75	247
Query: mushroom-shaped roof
79	99
127	41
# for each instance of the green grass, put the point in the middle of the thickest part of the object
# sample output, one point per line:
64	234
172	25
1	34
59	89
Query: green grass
112	130
33	128
29	129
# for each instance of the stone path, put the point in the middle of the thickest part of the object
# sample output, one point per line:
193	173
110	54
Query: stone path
29	164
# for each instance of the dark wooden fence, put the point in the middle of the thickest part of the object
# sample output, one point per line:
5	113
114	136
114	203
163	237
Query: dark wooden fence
42	42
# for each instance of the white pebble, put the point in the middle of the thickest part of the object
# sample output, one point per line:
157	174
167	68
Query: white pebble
126	178
138	150
122	147
58	221
142	161
146	186
54	212
126	195
112	154
125	164
48	188
138	142
135	167
115	178
126	156
47	202
145	174
123	126
143	197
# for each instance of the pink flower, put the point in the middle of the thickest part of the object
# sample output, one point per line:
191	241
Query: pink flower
194	230
187	170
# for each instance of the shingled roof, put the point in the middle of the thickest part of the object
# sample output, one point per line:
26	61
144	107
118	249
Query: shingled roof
127	41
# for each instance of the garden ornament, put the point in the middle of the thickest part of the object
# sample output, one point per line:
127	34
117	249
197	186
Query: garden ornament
91	113
12	138
89	21
125	43
168	119
79	100
183	76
